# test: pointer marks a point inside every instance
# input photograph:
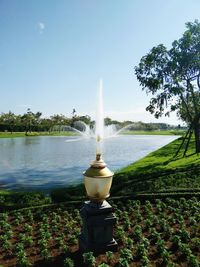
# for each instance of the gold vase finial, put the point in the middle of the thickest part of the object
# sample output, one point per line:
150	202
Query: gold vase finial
98	156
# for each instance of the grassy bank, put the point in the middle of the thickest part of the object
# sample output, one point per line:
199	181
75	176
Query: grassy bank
160	132
22	134
159	171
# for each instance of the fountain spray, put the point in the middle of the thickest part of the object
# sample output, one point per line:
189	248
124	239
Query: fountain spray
99	130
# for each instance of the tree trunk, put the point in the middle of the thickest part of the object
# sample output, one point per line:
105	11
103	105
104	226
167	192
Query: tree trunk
197	137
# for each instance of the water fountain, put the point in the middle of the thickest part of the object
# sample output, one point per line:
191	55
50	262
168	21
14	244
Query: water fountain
98	219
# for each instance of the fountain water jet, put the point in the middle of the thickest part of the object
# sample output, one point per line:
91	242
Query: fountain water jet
99	127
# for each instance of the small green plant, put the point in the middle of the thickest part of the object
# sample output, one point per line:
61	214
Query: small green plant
126	254
64	248
120	233
109	255
123	262
137	232
7	245
28	228
193	261
68	262
73	240
196	243
185	250
129	243
176	240
141	251
160	244
144	261
185	236
46	254
165	256
22	260
28	241
89	259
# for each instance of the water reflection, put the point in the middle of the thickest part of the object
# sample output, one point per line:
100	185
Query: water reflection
42	163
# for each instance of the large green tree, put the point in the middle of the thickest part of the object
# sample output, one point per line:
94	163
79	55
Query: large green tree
9	119
172	76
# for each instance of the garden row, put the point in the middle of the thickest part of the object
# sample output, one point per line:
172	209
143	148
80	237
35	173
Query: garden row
158	233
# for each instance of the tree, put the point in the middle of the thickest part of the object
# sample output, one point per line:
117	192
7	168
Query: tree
59	120
173	78
86	119
27	120
9	120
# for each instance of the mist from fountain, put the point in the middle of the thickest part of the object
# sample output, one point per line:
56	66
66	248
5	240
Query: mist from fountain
85	131
124	128
100	131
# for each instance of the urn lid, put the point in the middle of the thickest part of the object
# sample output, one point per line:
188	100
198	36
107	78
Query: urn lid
98	169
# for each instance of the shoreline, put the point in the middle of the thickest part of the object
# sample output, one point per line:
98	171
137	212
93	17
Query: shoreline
35	134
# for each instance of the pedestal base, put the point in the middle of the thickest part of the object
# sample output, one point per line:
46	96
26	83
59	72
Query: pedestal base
97	231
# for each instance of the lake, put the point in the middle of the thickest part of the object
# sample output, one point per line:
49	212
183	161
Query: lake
42	163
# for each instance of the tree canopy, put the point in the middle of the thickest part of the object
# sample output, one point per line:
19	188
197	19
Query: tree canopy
172	77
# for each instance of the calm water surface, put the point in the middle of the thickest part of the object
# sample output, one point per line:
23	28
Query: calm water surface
43	163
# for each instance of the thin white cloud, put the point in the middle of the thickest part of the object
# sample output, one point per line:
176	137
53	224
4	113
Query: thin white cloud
41	27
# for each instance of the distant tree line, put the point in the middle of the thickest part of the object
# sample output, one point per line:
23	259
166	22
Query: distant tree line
141	126
33	122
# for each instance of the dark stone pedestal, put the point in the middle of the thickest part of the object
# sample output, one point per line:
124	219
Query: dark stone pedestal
97	231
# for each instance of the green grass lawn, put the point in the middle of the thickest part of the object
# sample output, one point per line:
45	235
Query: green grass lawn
160	170
62	133
161	132
22	134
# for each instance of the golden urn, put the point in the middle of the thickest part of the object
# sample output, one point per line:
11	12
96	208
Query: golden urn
98	180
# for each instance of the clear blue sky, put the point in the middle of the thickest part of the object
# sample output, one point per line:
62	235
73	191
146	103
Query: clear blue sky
53	52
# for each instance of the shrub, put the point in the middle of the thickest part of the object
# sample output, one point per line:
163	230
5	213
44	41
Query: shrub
65	194
28	199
